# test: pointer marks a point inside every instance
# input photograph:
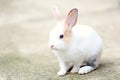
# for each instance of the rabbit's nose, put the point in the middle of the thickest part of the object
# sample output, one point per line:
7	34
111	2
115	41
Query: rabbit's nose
52	46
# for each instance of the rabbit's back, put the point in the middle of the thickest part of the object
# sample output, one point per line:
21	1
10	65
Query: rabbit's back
85	39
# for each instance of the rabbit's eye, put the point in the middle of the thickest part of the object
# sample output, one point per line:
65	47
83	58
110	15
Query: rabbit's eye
61	36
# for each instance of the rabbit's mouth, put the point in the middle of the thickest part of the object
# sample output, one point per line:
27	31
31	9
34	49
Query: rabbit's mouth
57	49
53	48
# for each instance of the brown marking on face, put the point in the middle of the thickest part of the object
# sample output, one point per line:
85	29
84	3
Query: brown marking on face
67	35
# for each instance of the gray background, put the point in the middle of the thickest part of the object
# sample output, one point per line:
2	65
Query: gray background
24	31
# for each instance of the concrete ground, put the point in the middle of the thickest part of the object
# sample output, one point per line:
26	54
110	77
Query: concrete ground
24	30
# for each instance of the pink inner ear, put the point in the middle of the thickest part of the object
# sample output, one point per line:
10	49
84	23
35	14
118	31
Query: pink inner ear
72	18
58	17
56	13
70	22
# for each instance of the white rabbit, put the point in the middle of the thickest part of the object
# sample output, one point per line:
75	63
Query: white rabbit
75	45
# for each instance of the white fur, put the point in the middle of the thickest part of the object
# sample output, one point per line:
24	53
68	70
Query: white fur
85	69
84	43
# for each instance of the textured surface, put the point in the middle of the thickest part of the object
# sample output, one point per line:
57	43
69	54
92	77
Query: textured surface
24	30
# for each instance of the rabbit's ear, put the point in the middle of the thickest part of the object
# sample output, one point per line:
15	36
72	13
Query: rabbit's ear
71	18
56	13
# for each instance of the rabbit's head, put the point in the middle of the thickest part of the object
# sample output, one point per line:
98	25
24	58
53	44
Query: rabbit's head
61	35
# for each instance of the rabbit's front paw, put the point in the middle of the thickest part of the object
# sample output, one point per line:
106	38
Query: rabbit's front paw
75	69
61	72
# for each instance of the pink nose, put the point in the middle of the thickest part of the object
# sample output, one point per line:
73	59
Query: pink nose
52	46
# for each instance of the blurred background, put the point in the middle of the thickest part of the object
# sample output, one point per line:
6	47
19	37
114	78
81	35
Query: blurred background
24	34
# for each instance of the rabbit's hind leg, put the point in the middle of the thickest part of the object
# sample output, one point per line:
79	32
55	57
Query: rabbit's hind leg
91	64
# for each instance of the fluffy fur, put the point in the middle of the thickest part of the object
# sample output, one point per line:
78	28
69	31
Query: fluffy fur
80	45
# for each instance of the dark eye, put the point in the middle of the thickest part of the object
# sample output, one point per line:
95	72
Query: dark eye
61	36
